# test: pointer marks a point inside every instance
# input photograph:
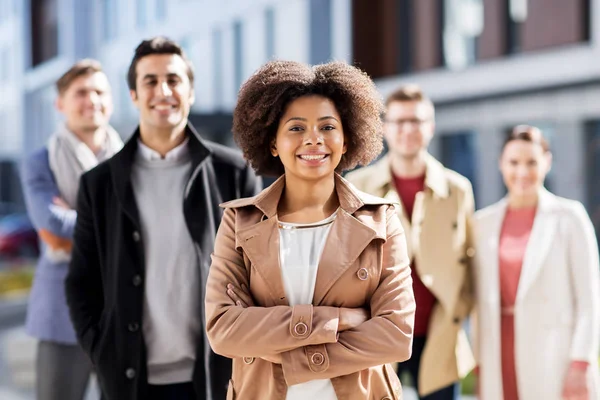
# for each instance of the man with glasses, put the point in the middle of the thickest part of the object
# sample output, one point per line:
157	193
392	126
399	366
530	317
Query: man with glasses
436	208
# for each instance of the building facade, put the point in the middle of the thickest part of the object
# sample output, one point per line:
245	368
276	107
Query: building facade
487	64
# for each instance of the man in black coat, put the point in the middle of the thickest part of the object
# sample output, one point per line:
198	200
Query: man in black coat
145	231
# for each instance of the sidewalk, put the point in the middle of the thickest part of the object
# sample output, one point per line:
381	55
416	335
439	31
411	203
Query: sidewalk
17	357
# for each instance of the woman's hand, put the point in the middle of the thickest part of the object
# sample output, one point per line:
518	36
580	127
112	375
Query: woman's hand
352	317
576	383
242	298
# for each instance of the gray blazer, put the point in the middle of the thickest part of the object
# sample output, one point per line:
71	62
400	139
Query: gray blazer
47	315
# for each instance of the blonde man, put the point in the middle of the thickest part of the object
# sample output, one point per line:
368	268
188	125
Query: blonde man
436	208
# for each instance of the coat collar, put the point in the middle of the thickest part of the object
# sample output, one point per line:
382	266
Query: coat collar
435	176
351	227
350	198
120	167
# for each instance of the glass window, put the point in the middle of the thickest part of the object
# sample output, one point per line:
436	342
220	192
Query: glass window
109	19
463	23
238	56
270	32
592	168
458	152
44	31
141	13
161	9
5	65
217	50
320	31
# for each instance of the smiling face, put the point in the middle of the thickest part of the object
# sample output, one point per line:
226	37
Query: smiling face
524	166
408	127
86	103
310	138
163	93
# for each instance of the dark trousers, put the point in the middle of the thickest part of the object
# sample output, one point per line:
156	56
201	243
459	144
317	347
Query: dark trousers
63	371
176	391
412	368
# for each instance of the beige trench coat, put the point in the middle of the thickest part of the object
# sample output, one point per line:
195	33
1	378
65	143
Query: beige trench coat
438	238
364	264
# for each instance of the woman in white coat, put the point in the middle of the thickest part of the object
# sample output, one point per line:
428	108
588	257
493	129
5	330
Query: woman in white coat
538	285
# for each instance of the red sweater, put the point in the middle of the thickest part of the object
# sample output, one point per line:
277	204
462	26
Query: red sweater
407	189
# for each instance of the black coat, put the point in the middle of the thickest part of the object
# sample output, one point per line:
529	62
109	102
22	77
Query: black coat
105	284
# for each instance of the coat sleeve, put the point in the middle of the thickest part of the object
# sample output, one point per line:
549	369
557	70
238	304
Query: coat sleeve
385	338
83	285
39	189
585	275
467	293
234	331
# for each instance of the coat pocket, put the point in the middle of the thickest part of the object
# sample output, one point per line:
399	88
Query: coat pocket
230	393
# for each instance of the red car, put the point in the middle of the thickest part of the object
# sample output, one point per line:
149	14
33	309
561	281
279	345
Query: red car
18	238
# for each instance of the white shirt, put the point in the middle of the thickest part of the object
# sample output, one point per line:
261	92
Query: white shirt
178	153
300	249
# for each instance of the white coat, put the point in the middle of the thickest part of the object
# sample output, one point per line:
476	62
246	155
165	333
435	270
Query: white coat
557	309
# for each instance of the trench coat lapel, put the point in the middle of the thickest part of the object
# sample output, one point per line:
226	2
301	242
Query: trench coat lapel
261	244
542	233
335	259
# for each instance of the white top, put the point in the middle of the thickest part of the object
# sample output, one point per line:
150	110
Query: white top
300	250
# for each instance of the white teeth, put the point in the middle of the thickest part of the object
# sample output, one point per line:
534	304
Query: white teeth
312	157
163	107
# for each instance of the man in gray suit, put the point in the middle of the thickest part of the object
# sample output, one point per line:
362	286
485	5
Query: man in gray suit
50	180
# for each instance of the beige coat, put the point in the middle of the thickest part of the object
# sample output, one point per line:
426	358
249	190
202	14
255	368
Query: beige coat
557	309
439	241
364	264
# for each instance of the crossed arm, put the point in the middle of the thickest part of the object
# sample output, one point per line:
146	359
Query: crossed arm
52	217
347	342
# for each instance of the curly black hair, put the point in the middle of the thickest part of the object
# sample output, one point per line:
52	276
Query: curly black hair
264	97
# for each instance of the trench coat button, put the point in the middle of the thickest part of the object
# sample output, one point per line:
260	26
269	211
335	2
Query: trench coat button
133	327
136	236
454	225
464	260
130	373
317	359
300	329
456	320
137	280
248	360
363	274
470	252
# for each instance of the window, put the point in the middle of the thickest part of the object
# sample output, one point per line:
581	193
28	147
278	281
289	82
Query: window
217	50
5	65
270	33
463	23
109	19
592	168
44	31
161	9
458	152
320	31
141	13
238	56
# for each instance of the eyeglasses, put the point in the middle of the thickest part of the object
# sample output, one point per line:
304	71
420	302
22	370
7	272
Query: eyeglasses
411	122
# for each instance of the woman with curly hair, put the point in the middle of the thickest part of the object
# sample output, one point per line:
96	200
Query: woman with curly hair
310	290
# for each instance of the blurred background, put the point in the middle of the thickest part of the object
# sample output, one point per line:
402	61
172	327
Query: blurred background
487	64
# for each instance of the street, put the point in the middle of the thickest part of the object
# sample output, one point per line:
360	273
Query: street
17	356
